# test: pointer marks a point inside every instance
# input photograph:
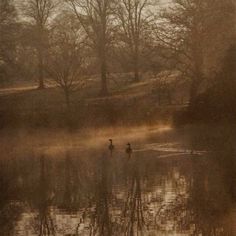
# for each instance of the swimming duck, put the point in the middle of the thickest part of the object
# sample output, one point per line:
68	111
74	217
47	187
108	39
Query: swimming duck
111	147
129	149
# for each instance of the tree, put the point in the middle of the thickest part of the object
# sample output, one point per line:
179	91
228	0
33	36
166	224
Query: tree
134	20
8	37
26	56
39	13
95	16
192	31
66	55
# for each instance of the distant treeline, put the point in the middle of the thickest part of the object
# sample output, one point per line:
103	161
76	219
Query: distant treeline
58	42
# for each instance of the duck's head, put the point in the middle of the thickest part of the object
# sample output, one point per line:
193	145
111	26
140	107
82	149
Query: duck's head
110	140
128	144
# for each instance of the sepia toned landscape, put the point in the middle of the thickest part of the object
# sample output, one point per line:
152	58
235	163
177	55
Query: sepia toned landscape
118	117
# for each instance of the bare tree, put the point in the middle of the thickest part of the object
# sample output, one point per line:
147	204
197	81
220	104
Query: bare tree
65	56
188	29
95	16
39	13
134	18
8	31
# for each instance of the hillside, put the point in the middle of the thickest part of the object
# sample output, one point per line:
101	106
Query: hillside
127	104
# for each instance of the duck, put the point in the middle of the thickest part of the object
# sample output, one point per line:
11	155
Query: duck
129	149
111	147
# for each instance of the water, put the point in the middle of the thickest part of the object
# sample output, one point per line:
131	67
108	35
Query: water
176	183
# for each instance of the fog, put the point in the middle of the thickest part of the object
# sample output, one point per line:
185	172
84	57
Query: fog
117	117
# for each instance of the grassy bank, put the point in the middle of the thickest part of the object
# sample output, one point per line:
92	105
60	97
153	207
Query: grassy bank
127	105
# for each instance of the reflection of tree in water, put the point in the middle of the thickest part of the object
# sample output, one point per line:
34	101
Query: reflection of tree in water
212	190
71	199
125	197
210	197
9	212
45	225
202	209
170	215
101	219
211	200
133	211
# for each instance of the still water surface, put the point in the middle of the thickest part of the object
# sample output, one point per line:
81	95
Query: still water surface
175	183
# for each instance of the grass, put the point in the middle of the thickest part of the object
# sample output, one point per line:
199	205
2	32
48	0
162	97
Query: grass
128	104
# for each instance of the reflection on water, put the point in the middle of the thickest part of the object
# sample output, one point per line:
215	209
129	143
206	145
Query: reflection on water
172	185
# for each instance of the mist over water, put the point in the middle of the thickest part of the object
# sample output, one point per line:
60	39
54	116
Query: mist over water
174	183
61	139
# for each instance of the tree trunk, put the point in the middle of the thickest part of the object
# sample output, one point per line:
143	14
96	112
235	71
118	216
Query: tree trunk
104	90
103	71
169	95
136	64
136	73
194	89
198	70
159	98
67	96
41	72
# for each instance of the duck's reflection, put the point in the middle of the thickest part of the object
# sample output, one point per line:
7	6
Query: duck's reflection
101	218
